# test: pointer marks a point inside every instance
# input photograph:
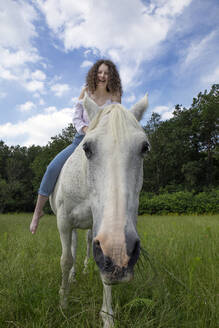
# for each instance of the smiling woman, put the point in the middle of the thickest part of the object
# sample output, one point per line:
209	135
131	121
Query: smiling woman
104	72
103	85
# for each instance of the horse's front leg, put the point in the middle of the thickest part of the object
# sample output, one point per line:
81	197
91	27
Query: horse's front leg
66	262
73	251
106	310
89	241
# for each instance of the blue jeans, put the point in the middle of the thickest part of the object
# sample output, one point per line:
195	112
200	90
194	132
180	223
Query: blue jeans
54	168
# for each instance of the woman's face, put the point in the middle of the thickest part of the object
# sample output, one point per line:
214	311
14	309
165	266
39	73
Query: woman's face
102	76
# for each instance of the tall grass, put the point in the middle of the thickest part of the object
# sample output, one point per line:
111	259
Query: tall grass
181	289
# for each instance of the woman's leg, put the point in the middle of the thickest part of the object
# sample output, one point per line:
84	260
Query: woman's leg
49	180
38	212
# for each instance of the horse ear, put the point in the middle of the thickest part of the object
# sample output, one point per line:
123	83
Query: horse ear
139	108
90	106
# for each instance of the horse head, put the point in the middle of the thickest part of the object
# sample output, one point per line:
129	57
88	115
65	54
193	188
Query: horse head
114	147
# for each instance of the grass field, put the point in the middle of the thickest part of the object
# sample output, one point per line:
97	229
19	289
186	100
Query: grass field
184	251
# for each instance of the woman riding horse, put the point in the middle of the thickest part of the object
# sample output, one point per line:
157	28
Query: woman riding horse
103	85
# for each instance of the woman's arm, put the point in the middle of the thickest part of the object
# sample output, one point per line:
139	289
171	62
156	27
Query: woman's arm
80	120
82	94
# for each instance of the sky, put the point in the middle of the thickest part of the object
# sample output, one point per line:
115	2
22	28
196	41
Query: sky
169	49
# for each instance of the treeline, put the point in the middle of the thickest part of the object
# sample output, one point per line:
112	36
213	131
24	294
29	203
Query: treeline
22	168
184	149
183	163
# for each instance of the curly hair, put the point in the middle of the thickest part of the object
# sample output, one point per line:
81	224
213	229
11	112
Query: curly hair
114	85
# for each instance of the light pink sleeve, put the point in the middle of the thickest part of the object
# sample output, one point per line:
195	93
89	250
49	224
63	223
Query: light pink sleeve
79	117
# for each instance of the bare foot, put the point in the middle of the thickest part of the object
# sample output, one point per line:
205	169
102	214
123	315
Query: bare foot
35	222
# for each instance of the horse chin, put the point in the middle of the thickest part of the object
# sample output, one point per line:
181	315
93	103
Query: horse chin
109	279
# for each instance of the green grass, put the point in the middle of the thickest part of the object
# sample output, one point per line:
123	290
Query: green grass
184	250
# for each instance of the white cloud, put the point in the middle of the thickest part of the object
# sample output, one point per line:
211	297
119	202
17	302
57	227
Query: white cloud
212	78
16	24
39	75
50	109
34	86
166	112
7	74
74	99
170	7
109	28
27	106
33	81
199	49
17	32
38	129
60	89
130	99
167	115
17	19
86	63
87	52
14	58
3	95
41	102
129	73
198	63
161	109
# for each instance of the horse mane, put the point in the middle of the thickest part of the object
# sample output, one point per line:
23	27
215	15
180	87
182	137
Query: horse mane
120	120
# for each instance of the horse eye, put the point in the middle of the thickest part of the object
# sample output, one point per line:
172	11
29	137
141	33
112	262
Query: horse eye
87	150
145	148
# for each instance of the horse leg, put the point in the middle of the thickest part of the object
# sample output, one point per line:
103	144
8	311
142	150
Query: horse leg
73	251
89	241
106	310
66	262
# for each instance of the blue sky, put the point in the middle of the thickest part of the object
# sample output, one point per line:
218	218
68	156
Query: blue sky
169	49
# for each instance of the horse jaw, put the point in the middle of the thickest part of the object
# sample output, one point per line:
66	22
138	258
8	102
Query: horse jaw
139	108
90	106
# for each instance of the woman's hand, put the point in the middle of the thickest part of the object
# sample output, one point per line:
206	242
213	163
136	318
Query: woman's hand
84	129
85	89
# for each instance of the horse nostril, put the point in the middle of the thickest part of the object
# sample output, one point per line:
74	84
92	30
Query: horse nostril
135	253
97	243
136	248
98	253
96	247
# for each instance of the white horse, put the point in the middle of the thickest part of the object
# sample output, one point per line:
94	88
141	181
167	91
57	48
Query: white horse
99	188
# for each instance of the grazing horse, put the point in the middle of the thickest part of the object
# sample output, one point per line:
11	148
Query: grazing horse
99	188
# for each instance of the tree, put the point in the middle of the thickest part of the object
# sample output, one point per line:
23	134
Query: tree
184	149
4	153
207	107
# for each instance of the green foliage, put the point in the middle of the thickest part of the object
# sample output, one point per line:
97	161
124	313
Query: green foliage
4	154
22	168
184	149
4	192
180	203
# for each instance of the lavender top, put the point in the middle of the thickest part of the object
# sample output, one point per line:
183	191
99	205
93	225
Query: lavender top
80	118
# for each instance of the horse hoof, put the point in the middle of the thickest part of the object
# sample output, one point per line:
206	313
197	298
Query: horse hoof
107	320
72	279
64	304
85	270
108	324
63	299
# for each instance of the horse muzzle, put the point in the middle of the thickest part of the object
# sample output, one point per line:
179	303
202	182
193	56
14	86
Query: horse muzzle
119	275
111	273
